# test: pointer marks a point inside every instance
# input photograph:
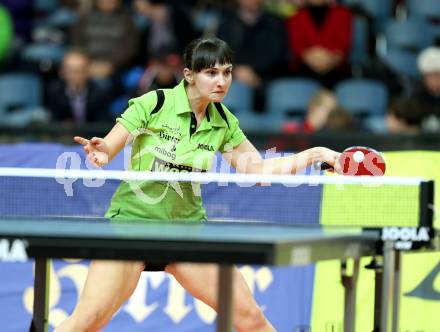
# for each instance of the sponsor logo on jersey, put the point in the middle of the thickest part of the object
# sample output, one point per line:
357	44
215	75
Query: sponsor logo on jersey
164	152
164	166
173	130
206	147
169	137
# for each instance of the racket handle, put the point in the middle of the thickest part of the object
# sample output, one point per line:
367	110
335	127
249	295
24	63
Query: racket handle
319	165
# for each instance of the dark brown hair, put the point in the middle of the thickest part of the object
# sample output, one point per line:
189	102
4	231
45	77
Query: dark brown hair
205	53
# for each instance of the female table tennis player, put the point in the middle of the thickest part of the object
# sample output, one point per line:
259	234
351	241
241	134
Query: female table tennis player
181	129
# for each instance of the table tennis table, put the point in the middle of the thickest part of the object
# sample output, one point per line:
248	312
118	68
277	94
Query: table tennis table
225	243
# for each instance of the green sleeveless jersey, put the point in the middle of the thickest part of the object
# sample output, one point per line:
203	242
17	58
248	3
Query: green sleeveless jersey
166	139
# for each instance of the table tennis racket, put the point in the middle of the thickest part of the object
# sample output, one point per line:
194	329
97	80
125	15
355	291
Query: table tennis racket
359	160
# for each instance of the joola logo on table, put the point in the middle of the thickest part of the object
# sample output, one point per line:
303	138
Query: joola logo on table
206	147
405	237
405	234
13	251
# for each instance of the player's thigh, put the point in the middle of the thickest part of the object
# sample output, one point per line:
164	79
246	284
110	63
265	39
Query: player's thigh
110	283
201	280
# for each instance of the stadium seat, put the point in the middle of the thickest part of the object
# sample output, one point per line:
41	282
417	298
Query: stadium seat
251	121
413	34
44	54
359	48
362	97
402	62
376	124
20	100
290	96
20	90
62	18
118	106
45	6
424	8
378	10
240	98
131	77
205	20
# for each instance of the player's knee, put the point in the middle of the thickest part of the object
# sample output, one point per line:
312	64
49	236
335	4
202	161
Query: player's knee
250	319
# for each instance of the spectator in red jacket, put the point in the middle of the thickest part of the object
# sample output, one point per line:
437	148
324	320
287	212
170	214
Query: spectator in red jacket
320	39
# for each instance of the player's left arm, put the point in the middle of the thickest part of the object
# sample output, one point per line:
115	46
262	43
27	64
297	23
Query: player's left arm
245	158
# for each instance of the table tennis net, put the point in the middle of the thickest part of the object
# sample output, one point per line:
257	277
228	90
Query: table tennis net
330	200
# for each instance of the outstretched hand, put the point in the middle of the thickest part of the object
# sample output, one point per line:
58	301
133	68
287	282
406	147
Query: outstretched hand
96	150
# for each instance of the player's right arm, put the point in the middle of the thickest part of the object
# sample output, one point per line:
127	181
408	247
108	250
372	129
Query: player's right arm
100	151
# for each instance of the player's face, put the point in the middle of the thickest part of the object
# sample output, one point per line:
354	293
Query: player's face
213	83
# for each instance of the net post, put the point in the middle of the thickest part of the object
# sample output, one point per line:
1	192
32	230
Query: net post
426	204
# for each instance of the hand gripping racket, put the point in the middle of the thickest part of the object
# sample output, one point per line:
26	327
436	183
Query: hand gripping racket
359	160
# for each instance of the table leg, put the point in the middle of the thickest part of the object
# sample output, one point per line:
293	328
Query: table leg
376	265
350	283
389	257
396	291
225	296
40	317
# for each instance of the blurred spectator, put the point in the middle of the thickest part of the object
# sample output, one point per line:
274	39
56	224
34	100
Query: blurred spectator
320	106
163	72
284	8
396	84
339	120
429	66
317	116
109	37
320	37
74	97
22	15
258	40
404	116
77	5
427	93
169	27
6	32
